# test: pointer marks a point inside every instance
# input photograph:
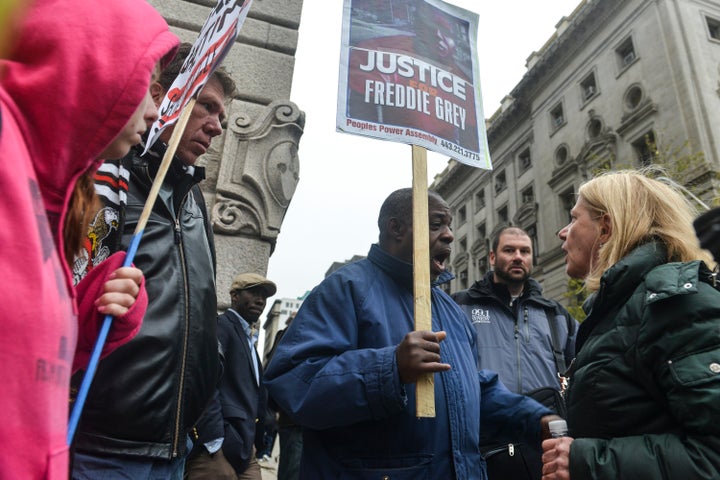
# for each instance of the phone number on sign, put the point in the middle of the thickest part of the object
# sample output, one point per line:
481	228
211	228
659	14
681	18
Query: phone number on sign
459	150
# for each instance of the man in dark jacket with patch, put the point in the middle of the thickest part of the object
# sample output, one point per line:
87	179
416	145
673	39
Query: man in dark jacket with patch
524	337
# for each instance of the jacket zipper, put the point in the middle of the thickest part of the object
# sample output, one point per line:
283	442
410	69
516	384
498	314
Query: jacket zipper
517	354
179	243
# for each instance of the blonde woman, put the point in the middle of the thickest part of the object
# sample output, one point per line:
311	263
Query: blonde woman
644	394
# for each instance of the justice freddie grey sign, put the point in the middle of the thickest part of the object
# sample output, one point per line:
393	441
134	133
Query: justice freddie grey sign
408	73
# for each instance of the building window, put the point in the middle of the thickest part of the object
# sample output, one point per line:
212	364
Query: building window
502	214
557	116
646	149
500	182
626	53
482	266
567	202
713	28
633	97
462	215
463	277
525	160
528	196
588	87
594	128
480	199
481	231
462	245
561	155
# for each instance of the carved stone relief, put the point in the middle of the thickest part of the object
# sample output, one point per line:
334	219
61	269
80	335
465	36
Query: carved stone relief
252	196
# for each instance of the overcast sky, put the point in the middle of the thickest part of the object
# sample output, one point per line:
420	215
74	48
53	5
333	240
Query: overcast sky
345	178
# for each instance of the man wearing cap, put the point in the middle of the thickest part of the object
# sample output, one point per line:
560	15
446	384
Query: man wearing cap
241	394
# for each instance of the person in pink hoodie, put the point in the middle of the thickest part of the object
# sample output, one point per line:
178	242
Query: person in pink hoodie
72	89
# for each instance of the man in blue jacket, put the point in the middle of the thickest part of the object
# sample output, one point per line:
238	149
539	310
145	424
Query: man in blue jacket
347	366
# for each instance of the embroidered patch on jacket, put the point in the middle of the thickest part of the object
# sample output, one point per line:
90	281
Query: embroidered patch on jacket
479	315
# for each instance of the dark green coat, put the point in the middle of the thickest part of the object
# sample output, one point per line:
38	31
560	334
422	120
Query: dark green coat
644	395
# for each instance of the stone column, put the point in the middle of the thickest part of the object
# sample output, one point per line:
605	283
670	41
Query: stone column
253	167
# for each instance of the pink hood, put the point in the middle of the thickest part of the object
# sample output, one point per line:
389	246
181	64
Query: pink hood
72	89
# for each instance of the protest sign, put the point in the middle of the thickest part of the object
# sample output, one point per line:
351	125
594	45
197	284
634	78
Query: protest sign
214	41
409	74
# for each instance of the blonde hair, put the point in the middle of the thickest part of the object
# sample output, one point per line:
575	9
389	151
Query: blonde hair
641	209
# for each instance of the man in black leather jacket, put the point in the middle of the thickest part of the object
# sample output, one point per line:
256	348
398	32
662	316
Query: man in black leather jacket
148	394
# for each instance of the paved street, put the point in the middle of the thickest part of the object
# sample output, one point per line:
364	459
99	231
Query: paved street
269	468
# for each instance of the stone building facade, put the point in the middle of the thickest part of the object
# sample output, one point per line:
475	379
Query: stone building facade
618	82
253	167
621	83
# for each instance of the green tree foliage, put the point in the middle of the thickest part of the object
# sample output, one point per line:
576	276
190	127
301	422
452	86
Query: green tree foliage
576	295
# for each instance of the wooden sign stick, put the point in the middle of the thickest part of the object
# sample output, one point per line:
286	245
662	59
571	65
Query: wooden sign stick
165	165
425	386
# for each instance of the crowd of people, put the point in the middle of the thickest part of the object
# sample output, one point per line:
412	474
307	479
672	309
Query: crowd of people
181	392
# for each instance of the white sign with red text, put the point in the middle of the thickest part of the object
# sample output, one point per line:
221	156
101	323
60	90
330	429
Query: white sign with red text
409	73
213	43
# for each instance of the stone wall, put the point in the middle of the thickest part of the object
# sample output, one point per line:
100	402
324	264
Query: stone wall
253	167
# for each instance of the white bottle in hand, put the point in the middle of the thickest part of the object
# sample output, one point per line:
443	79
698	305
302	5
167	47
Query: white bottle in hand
558	428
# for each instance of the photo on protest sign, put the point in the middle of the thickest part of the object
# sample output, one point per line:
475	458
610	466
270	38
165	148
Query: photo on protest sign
409	73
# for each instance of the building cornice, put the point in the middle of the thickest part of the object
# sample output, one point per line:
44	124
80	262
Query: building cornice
581	26
451	179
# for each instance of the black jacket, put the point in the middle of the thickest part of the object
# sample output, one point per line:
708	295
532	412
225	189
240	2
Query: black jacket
240	395
147	394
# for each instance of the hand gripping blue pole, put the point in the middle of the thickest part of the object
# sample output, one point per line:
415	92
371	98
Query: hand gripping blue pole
97	350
